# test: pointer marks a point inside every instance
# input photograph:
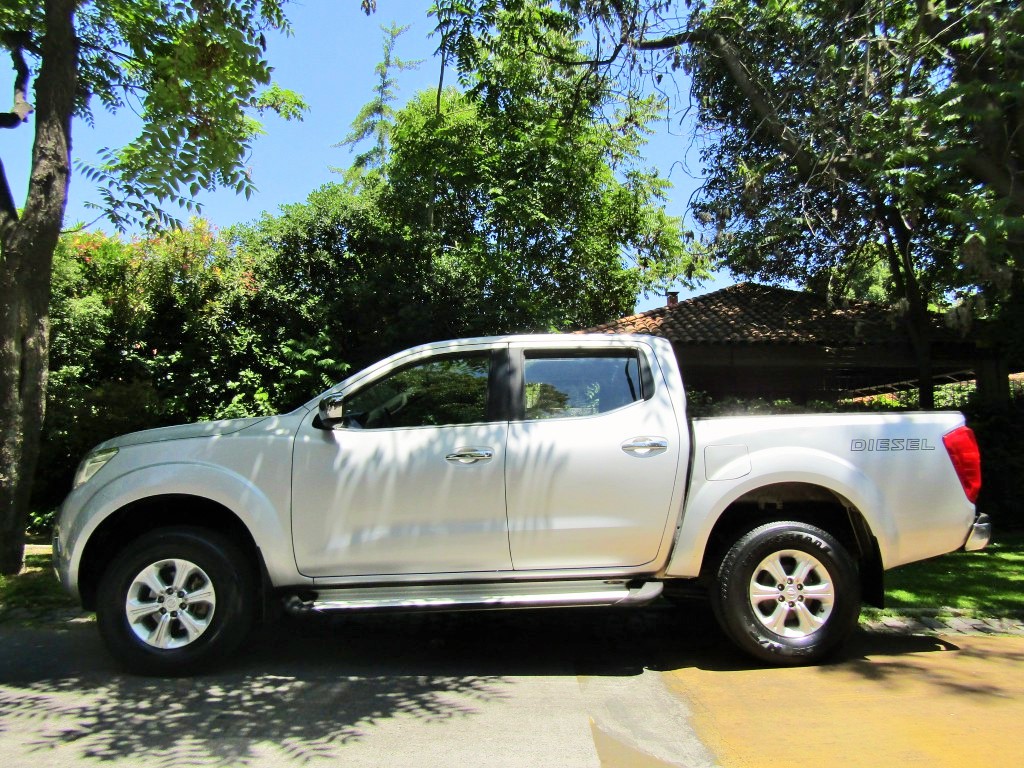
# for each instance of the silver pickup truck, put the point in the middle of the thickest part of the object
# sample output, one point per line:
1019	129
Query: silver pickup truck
509	472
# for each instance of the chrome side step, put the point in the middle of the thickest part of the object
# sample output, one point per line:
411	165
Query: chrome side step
482	596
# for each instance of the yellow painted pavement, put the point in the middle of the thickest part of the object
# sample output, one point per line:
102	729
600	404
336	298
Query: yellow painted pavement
954	701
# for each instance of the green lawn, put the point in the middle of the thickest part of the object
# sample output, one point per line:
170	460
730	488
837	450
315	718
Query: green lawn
976	584
34	592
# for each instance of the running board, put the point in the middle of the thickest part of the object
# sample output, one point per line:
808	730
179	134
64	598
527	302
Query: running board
481	596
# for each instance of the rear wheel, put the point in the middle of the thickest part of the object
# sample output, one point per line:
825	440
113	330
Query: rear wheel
787	593
178	600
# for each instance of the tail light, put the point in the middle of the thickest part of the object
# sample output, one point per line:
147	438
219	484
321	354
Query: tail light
963	451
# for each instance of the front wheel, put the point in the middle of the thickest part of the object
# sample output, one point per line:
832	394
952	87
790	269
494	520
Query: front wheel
787	593
176	601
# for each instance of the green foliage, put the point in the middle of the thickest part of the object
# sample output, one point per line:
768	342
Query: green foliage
34	594
194	72
163	330
528	184
343	278
40	524
528	228
376	117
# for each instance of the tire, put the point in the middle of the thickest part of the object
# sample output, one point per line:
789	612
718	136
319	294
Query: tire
175	601
787	593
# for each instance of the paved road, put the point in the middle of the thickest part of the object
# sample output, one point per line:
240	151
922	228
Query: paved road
896	700
600	688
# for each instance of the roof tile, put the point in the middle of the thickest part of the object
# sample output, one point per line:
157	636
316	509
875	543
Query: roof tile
750	313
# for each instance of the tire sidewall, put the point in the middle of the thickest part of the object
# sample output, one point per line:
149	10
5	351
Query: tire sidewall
737	616
231	617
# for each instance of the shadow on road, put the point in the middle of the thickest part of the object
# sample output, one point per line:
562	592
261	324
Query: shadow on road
304	687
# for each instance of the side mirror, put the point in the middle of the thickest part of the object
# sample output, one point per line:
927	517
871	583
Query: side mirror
332	411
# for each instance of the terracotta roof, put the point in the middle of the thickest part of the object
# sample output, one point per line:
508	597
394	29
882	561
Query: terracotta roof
749	313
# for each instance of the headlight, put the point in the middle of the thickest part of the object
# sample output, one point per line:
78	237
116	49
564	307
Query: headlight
92	464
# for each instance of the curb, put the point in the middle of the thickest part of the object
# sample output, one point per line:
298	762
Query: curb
945	625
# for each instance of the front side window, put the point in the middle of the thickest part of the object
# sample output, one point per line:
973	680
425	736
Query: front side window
440	391
579	385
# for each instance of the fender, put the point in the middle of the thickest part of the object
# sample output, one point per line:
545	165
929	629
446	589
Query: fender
709	499
268	525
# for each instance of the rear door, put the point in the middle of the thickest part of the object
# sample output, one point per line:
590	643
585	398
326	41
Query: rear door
593	457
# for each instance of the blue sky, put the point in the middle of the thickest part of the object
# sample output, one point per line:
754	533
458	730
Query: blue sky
329	60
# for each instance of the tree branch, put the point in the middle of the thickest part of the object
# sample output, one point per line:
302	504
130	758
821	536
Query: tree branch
669	41
16	42
807	164
8	210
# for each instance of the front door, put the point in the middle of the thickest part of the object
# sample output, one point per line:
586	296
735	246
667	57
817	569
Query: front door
413	482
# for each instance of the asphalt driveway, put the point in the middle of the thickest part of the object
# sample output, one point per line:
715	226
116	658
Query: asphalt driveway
597	688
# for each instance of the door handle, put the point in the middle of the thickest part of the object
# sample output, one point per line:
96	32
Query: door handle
645	446
470	455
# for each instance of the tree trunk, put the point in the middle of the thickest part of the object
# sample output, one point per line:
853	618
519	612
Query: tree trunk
992	376
26	262
898	246
920	336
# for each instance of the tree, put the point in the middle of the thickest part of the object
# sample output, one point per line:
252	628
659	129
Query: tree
880	122
192	71
896	122
375	119
825	128
533	175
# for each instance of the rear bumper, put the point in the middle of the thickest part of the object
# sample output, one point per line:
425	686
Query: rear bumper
981	533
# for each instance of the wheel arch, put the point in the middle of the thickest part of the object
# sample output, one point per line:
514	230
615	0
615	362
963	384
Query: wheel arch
803	503
827	492
216	497
141	516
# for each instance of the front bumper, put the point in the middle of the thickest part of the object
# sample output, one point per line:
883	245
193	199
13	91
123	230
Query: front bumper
62	563
980	535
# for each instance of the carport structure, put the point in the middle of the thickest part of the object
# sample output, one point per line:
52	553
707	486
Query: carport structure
752	340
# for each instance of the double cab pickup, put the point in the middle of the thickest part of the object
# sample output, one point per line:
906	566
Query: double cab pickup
509	472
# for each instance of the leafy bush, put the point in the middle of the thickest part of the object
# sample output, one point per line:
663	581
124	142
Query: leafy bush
170	329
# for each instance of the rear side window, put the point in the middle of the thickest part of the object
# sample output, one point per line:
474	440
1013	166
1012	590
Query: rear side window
570	385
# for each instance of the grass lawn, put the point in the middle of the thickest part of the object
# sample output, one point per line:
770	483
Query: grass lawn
975	584
34	592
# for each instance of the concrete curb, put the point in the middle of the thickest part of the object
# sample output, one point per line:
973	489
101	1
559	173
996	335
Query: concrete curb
944	625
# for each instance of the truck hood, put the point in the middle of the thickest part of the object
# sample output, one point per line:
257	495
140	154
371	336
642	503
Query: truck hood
181	432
